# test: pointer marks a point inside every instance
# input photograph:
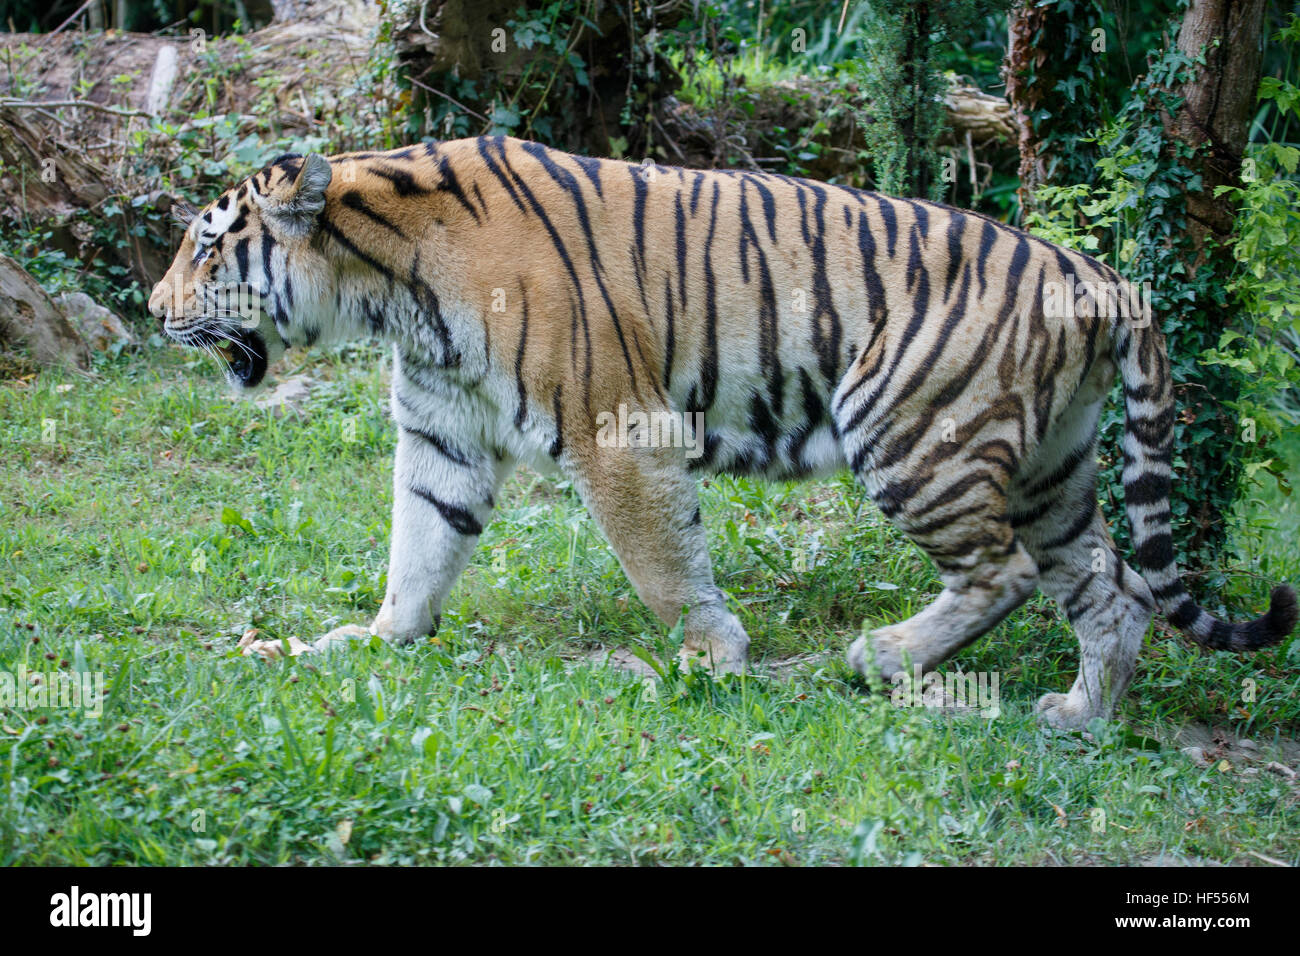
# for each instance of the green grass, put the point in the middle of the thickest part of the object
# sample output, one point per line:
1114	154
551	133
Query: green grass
159	520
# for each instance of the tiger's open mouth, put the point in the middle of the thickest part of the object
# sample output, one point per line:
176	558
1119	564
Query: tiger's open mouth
244	352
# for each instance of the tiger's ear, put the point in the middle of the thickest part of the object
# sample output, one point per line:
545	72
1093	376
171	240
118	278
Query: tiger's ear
183	213
295	203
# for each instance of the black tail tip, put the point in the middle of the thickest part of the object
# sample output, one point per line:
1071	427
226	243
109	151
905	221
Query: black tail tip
1282	612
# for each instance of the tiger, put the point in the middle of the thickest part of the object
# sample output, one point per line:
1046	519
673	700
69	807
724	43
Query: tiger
796	328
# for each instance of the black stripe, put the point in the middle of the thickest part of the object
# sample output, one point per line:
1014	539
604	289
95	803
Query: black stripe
765	426
354	201
452	454
815	416
521	413
267	245
920	308
591	167
923	371
1157	552
681	250
569	184
426	300
241	258
1148	488
1154	431
1062	471
481	201
1080	524
938	524
956	226
485	147
887	215
449	184
1172	589
922	222
826	342
403	182
870	277
670	334
709	364
768	342
557	408
640	191
988	236
1184	615
333	232
769	203
460	519
954	492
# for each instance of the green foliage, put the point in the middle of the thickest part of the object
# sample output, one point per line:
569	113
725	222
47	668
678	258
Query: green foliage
1094	52
901	88
807	35
1264	344
556	75
903	114
49	265
536	90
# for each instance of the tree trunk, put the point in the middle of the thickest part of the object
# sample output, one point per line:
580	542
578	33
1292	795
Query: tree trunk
1218	104
1049	51
1024	59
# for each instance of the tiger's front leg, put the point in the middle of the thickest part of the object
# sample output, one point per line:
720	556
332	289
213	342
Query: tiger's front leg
443	495
647	504
444	489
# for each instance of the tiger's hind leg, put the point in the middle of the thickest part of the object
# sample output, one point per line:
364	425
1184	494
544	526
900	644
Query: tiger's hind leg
986	575
1054	508
961	522
647	504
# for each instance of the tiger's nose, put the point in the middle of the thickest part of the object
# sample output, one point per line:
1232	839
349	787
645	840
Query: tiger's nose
158	300
168	299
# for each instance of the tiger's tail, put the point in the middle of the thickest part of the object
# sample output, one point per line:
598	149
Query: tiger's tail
1139	349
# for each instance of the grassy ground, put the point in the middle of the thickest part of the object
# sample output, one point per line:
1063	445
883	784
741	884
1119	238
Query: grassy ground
148	520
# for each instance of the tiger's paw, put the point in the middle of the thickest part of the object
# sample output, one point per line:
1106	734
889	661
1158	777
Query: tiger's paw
1059	712
716	661
341	636
878	655
714	640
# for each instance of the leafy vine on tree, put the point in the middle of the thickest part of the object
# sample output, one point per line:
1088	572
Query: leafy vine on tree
1227	374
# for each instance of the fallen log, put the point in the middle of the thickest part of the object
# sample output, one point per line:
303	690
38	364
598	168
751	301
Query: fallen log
30	320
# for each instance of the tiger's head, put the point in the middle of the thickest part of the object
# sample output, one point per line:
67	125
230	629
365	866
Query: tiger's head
248	281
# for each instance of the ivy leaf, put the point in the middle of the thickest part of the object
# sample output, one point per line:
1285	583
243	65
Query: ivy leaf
504	120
